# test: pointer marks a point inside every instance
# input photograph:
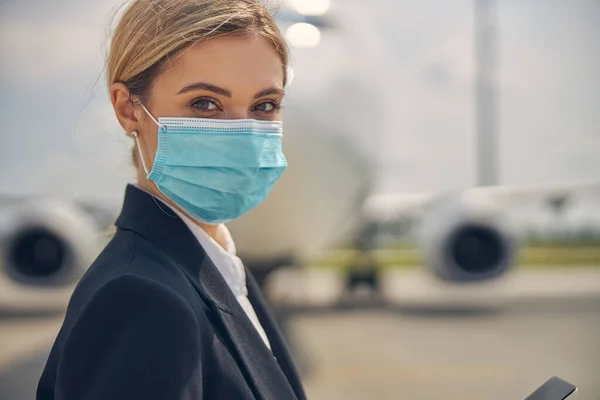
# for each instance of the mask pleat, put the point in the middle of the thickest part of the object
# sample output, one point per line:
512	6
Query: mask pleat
217	170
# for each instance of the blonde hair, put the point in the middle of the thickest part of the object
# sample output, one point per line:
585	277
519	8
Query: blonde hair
150	31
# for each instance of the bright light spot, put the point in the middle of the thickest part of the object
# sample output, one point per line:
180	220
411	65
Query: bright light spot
311	7
303	35
290	76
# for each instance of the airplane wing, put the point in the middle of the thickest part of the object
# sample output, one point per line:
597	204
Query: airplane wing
388	206
45	246
467	236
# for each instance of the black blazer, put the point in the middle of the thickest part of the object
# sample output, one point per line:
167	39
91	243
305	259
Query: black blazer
154	319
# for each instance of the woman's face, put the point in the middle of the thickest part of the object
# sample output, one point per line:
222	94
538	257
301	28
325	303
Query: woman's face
226	78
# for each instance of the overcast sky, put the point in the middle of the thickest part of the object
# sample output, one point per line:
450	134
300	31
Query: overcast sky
396	75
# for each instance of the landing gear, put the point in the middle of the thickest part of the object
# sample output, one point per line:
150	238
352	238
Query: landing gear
363	273
261	270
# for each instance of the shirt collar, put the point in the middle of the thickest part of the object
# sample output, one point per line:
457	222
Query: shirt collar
225	259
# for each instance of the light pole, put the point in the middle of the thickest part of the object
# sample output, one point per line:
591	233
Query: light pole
485	93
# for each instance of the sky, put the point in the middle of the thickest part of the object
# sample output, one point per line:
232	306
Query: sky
392	77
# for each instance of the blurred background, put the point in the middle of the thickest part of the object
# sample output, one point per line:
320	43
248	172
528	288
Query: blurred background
437	234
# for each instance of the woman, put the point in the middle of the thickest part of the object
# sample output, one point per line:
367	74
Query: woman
168	311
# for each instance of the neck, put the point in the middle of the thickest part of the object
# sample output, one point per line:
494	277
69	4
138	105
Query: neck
211	230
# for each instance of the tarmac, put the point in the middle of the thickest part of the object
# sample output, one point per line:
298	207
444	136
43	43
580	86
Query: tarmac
417	339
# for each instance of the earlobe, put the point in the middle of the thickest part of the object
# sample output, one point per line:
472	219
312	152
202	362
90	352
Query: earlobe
124	109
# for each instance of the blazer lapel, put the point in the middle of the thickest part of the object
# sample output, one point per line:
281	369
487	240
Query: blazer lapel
159	225
261	367
278	344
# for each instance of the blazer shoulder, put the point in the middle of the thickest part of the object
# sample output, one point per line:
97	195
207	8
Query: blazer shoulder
134	338
134	294
133	268
119	254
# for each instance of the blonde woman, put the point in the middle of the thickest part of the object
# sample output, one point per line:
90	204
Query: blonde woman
168	311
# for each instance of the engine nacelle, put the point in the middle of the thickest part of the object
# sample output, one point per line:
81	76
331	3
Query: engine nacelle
45	247
465	242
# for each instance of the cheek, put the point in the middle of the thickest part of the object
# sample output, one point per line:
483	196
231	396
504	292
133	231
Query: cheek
277	116
150	142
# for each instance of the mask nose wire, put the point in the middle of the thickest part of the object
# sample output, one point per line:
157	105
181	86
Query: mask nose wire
137	142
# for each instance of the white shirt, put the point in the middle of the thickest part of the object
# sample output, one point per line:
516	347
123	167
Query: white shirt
228	264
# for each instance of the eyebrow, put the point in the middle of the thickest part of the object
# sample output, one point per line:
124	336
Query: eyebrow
269	91
226	92
206	86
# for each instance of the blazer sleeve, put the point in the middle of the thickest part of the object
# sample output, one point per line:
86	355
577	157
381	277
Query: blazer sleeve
134	339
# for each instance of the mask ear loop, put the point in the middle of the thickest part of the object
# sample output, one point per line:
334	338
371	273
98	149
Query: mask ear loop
150	115
137	142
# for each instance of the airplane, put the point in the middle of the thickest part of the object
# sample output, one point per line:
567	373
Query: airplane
325	196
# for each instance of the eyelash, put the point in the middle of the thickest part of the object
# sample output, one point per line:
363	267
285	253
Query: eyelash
276	106
274	103
209	99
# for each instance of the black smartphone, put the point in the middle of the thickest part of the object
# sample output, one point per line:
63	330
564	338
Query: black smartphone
554	389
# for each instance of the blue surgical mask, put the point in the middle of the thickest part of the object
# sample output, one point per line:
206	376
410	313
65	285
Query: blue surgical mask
215	169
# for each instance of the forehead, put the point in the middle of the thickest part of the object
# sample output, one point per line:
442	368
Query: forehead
241	64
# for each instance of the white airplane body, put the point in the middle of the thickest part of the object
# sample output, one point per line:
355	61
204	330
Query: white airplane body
324	197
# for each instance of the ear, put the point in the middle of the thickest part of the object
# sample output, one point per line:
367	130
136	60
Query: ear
124	108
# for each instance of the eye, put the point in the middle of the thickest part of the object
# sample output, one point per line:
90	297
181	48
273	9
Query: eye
205	104
266	106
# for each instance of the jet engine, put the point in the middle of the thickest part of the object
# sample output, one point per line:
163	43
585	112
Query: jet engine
45	247
464	242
